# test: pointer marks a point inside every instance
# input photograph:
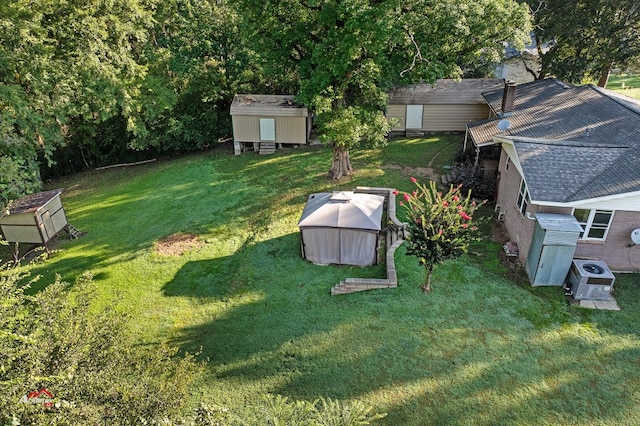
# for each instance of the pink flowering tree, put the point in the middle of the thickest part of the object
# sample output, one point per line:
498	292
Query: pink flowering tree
440	225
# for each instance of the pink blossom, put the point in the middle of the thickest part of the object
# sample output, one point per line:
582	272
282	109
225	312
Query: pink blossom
445	204
440	232
414	180
474	228
456	198
473	204
465	216
401	203
465	225
406	196
396	192
414	193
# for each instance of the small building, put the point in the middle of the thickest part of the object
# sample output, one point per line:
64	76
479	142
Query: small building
449	105
34	219
341	228
569	150
262	121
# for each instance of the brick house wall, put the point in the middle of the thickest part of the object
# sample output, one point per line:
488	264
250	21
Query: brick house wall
615	250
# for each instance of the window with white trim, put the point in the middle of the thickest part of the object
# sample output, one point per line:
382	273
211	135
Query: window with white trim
523	198
595	223
267	129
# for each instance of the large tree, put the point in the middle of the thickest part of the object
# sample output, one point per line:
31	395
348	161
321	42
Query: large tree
586	38
342	55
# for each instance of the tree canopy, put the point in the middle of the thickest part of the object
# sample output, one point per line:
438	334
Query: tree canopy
342	56
586	38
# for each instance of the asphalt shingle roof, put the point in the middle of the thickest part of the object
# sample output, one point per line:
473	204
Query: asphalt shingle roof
574	143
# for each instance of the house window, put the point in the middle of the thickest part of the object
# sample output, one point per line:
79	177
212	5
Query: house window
595	223
523	198
267	129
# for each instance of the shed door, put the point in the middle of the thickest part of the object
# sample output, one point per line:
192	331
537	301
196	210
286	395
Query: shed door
414	117
267	129
49	230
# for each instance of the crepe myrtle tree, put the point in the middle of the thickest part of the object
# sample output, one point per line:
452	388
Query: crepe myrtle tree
440	225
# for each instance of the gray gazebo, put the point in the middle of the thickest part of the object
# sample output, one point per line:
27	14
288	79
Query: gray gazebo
341	228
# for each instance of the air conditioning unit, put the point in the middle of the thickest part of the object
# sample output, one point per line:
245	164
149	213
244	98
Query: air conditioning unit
590	280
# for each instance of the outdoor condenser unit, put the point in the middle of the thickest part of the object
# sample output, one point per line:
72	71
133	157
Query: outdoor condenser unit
590	280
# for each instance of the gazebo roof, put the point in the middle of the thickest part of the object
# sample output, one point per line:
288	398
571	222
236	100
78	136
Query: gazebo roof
343	209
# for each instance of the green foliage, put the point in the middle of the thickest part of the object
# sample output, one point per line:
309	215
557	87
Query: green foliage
440	226
19	171
587	38
350	126
87	360
277	410
472	180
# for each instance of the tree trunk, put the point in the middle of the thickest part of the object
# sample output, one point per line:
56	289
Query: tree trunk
426	288
604	76
341	163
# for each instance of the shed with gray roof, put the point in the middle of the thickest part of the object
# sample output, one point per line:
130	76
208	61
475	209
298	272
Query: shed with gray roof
261	122
447	105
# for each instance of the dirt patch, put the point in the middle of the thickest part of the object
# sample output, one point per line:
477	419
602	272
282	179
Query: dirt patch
426	172
177	244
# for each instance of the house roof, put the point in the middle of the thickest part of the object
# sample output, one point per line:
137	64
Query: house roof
33	202
343	210
267	105
573	143
445	91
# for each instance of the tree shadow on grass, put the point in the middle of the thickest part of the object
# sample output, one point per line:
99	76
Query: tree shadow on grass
460	355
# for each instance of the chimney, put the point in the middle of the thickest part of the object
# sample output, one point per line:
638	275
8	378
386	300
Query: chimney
508	97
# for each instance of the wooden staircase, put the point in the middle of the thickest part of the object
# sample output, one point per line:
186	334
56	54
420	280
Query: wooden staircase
267	148
74	234
395	237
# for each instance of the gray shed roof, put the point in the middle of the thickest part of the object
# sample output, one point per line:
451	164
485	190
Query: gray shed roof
573	143
445	91
558	222
343	210
268	105
33	202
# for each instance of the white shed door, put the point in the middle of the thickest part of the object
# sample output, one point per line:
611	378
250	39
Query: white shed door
414	117
267	129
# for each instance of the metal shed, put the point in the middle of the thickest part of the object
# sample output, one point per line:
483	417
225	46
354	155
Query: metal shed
552	248
262	121
35	219
449	105
341	228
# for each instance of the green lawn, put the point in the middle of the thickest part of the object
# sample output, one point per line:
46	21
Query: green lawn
483	348
627	84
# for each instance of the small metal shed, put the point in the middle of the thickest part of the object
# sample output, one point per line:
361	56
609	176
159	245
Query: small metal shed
262	121
35	219
552	248
449	105
341	228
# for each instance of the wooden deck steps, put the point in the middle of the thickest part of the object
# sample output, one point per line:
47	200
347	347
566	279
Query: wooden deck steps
394	238
267	148
74	234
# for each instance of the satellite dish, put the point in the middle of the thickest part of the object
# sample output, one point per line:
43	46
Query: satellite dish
503	124
635	236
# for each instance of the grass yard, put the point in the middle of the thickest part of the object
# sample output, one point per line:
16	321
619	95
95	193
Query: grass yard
483	348
626	84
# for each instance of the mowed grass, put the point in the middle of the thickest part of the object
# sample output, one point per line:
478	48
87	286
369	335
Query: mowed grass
482	348
626	84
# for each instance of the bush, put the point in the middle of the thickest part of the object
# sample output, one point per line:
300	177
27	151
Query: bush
471	179
84	365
